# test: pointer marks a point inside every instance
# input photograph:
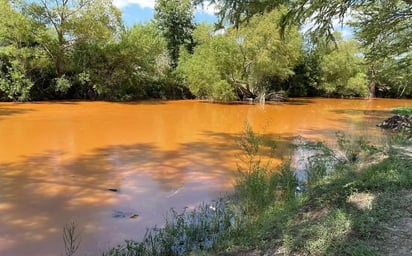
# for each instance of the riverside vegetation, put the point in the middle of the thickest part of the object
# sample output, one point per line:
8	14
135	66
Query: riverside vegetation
77	49
352	200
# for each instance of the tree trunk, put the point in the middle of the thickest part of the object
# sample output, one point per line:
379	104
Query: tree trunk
372	89
372	84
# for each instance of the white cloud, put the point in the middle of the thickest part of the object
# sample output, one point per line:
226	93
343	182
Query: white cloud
337	23
207	8
142	3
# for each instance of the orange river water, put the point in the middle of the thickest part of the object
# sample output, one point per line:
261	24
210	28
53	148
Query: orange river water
58	161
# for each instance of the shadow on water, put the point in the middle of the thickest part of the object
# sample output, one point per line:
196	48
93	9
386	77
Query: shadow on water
142	102
39	194
9	111
246	102
298	102
367	114
363	122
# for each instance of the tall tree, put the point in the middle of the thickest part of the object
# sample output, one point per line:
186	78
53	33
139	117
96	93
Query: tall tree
213	66
323	13
385	30
175	20
72	21
18	53
384	25
343	70
265	54
125	69
240	59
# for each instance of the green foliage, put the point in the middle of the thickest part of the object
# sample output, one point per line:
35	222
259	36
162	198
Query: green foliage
331	223
258	185
342	213
385	23
63	24
213	63
245	57
265	54
307	77
319	237
135	67
62	84
197	230
14	83
343	71
384	28
175	19
391	174
405	110
394	76
354	149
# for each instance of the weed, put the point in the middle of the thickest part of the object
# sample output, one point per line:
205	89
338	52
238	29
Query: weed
188	231
264	212
71	239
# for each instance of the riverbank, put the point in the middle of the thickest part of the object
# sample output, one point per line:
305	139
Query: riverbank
361	206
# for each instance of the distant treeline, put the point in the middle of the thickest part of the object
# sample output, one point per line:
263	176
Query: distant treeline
82	50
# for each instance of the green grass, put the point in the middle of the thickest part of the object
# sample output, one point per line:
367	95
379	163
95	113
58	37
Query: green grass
340	212
405	110
324	220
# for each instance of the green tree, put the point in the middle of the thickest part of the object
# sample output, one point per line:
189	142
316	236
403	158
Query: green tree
68	22
240	59
175	20
384	30
265	54
124	69
19	53
394	77
343	70
214	65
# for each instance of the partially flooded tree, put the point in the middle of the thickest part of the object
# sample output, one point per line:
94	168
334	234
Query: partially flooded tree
211	69
383	26
242	59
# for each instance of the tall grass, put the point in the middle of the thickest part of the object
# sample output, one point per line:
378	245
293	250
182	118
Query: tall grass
257	187
265	211
188	231
259	184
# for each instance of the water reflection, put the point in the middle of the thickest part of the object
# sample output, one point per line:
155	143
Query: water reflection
85	161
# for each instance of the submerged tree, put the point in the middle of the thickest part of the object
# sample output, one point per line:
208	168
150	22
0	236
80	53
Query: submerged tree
212	67
266	56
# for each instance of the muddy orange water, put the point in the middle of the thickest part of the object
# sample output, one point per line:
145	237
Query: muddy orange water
59	160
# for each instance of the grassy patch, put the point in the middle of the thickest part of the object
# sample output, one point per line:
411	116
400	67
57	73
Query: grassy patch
341	210
405	110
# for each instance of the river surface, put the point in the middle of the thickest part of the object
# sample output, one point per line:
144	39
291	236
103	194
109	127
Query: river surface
59	161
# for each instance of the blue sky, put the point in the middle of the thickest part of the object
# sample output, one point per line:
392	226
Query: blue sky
140	11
